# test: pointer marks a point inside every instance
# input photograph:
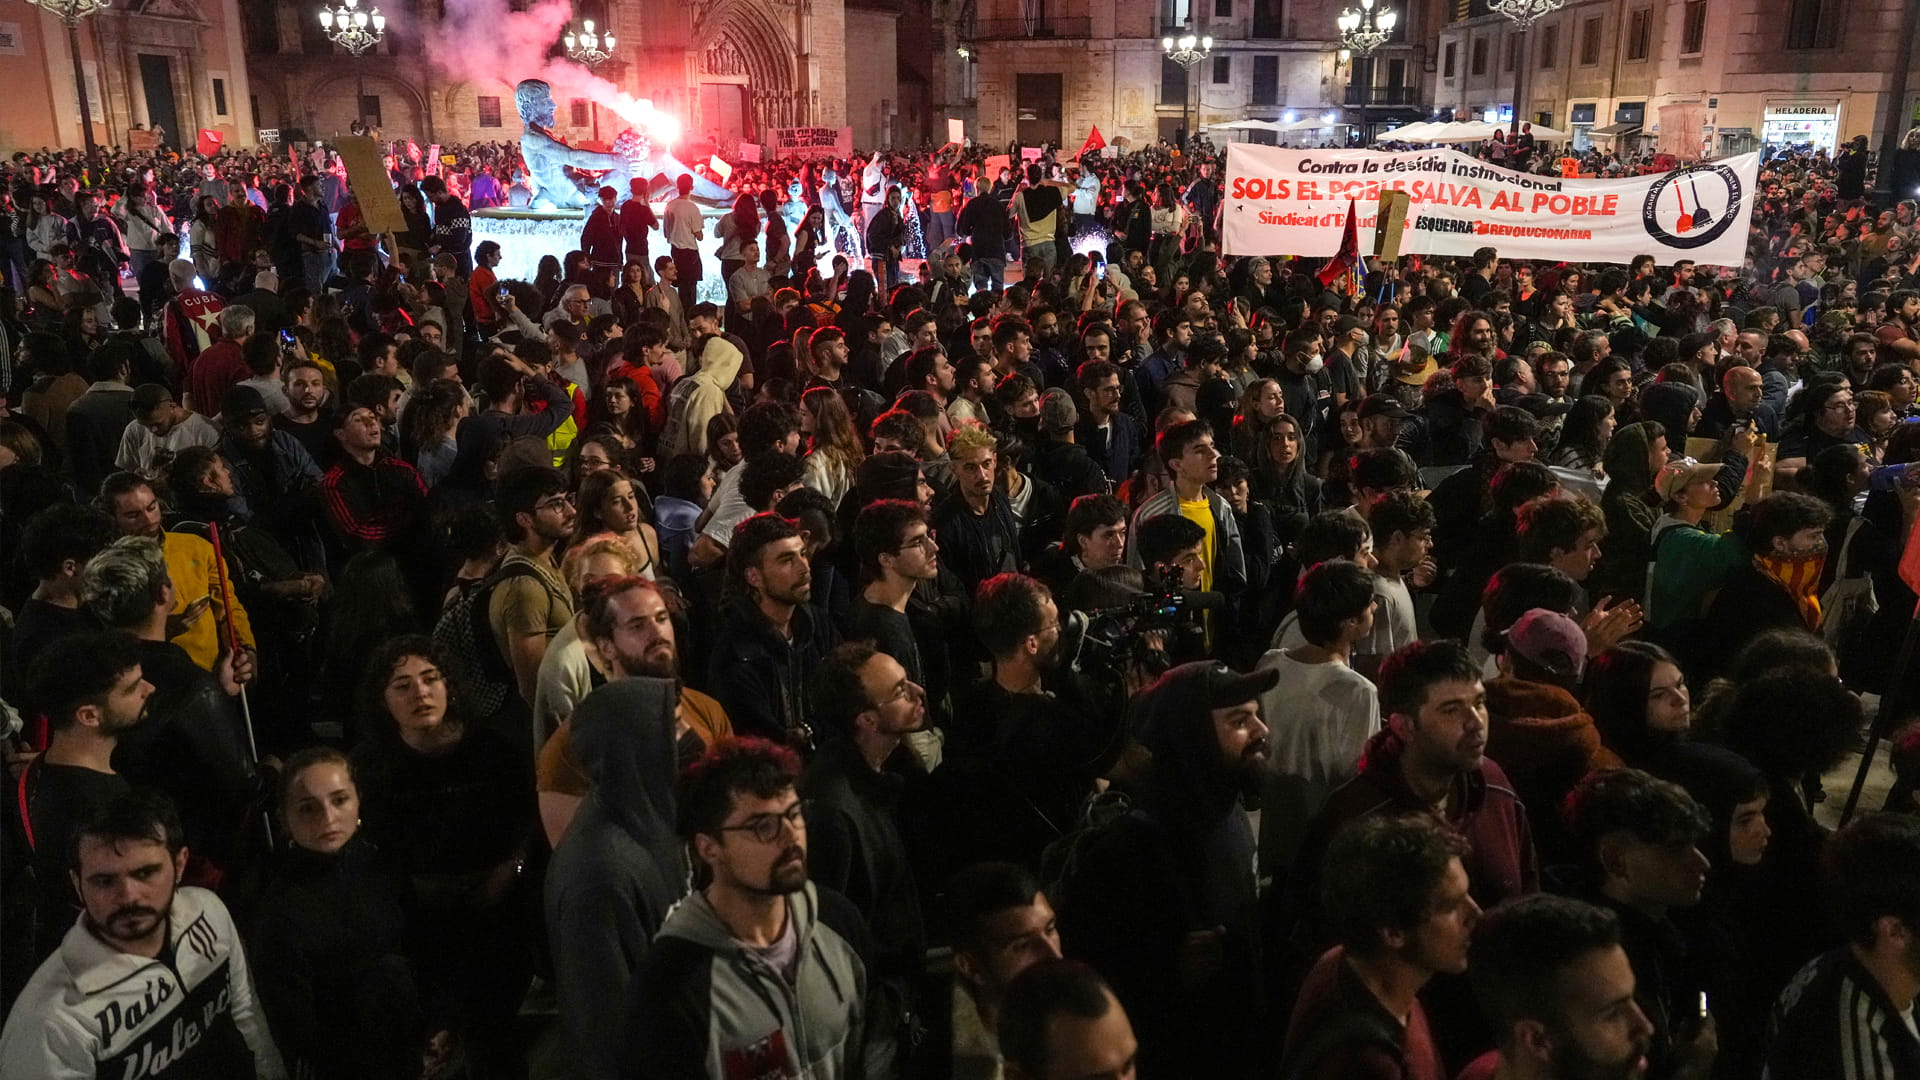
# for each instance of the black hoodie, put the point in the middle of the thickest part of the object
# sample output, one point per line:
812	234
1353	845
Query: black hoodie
620	865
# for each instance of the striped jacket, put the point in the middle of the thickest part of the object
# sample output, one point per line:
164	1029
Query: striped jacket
1834	1022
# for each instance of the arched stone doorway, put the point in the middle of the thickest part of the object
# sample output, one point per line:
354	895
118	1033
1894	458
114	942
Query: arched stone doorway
745	73
329	106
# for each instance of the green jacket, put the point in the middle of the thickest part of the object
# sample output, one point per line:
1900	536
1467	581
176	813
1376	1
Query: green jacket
1689	565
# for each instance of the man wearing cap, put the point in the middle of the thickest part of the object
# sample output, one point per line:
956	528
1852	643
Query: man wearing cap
1162	900
1381	417
273	472
1689	560
602	237
1057	460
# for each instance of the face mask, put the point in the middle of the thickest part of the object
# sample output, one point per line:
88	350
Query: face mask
1314	365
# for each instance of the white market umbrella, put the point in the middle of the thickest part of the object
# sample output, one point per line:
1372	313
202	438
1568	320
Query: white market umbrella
1542	131
1414	132
1464	131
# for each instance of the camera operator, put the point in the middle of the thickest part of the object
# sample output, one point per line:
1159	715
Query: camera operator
1026	745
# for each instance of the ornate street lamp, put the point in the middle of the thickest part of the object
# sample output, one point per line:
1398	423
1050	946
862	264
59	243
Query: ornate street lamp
584	47
1522	13
1363	32
1187	50
355	30
71	12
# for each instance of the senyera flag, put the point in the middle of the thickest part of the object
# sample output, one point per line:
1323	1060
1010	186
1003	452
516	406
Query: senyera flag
1292	202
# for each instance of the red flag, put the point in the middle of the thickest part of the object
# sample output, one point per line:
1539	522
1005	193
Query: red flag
1910	559
209	143
1094	142
1348	257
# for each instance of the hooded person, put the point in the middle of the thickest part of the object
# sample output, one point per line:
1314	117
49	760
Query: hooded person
619	867
698	398
1671	405
1726	928
1162	900
1539	733
1636	453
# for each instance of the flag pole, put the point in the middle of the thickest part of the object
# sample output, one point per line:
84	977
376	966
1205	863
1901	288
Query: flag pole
1896	686
233	649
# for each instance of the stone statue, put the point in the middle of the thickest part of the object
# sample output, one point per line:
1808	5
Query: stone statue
555	170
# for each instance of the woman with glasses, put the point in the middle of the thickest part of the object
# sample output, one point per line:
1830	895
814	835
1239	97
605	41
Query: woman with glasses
449	803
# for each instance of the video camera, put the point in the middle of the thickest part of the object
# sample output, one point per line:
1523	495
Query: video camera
1103	642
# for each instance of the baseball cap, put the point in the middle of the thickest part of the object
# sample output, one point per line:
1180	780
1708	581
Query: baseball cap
1550	641
242	403
1057	413
1382	405
1677	476
1202	686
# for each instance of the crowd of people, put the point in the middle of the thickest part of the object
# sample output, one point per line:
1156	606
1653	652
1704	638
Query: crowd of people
1005	637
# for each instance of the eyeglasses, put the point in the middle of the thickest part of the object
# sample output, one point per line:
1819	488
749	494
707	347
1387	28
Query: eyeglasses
766	828
554	503
1841	406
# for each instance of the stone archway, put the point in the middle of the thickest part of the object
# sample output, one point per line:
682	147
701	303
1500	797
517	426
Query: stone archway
745	70
406	117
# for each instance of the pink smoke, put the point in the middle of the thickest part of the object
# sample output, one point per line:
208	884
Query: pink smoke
487	43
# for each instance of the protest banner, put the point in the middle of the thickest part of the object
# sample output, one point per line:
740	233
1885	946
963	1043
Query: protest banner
208	144
956	130
367	175
750	152
812	142
143	141
994	163
1030	153
1293	202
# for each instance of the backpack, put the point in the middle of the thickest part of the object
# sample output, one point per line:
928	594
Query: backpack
1061	860
1849	604
463	631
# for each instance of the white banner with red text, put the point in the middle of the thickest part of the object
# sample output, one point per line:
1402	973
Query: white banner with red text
1294	202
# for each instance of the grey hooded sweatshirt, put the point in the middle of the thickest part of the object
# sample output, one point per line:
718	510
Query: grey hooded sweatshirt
705	1005
619	868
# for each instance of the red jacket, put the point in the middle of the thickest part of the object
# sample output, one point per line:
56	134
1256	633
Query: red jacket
212	373
1483	808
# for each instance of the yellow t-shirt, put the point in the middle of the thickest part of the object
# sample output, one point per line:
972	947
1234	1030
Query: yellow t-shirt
1200	512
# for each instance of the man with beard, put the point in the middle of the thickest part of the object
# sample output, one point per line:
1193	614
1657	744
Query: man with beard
1849	1012
198	620
620	866
865	705
1002	924
1162	901
760	972
305	419
1029	749
770	638
1429	758
1552	978
151	978
530	601
90	688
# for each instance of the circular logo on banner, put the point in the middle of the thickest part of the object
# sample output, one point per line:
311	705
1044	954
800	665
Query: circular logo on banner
1690	208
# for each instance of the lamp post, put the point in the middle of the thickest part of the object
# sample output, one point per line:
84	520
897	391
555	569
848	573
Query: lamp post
71	12
1522	14
1187	50
584	48
356	31
1363	32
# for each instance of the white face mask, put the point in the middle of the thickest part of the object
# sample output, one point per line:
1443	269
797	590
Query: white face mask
1315	364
